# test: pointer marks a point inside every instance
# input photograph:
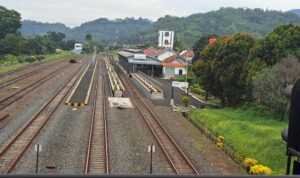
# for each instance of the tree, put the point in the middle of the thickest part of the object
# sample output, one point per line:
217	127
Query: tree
10	21
280	43
220	67
179	45
200	45
57	38
12	44
88	37
268	86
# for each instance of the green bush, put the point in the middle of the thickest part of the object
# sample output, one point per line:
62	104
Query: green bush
185	100
39	58
30	59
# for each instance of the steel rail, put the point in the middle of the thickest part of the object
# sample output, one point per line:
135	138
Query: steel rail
159	132
24	143
92	166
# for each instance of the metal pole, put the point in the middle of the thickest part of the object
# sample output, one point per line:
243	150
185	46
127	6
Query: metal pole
151	159
37	159
186	76
172	99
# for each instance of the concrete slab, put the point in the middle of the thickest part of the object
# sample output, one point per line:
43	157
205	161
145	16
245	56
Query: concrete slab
124	103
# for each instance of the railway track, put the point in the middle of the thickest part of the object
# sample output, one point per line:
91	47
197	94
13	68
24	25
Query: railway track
178	160
19	69
14	97
15	147
12	81
97	151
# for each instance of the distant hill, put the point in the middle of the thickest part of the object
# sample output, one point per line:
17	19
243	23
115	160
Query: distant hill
295	11
225	21
101	29
30	28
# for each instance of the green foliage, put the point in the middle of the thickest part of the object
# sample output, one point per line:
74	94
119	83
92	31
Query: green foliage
220	66
249	133
185	100
10	21
197	89
225	21
281	42
200	45
268	86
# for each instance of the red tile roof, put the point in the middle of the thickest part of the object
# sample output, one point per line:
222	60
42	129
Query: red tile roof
168	62
154	52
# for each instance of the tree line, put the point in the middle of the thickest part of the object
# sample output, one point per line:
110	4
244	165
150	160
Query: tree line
12	42
240	69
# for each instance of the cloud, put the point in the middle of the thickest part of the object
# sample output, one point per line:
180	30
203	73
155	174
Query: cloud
75	12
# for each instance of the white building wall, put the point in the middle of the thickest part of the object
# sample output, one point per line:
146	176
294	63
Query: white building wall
166	39
180	68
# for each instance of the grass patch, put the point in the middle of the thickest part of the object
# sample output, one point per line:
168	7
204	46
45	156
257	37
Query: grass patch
6	66
248	133
58	55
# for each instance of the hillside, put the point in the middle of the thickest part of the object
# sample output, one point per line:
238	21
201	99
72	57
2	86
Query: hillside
30	28
109	30
225	21
101	29
295	11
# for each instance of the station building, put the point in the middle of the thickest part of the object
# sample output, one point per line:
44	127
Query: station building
158	61
134	60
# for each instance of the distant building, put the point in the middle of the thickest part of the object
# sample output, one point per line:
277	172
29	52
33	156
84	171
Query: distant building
77	48
187	55
173	66
166	39
134	60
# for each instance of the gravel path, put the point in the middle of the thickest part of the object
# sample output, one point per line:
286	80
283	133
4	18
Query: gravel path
129	137
204	154
24	108
64	139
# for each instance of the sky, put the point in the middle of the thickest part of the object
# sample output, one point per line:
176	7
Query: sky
75	12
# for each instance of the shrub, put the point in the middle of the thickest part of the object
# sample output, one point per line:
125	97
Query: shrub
248	163
260	170
185	100
39	58
268	86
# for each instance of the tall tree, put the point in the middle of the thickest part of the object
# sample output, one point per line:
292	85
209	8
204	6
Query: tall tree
10	21
200	45
220	67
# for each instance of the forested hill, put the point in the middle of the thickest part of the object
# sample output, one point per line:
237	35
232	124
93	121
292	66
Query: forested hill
30	28
295	11
101	29
225	21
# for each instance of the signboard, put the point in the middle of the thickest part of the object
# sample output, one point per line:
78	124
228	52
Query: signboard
140	56
38	148
180	84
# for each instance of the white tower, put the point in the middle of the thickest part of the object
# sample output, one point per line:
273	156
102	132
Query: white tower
166	39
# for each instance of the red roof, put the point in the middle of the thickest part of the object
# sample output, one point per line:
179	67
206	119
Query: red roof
154	52
168	62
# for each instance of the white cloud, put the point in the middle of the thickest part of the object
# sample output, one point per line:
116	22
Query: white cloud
75	12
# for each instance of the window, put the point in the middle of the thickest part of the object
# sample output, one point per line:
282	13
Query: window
166	42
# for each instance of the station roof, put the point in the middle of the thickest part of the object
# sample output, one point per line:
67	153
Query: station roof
126	54
155	52
173	61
